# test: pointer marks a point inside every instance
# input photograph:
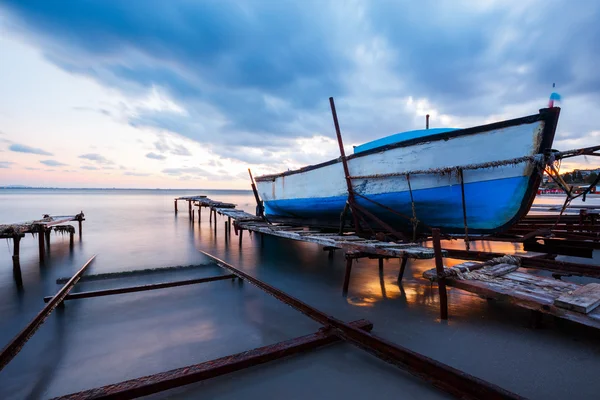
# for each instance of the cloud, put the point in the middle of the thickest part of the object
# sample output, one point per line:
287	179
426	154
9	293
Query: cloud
186	173
53	163
5	164
89	167
257	75
155	156
163	146
97	158
130	173
21	148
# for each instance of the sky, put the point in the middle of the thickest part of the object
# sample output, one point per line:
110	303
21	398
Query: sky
190	94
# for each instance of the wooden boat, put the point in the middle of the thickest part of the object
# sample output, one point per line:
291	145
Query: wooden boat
421	175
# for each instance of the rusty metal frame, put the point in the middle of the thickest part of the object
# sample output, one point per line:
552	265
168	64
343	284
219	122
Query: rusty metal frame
442	376
17	343
150	384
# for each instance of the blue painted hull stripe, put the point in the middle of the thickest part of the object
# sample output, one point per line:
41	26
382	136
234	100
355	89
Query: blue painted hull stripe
490	205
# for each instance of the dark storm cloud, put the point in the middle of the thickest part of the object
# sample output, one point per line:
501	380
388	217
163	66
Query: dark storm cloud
258	74
21	148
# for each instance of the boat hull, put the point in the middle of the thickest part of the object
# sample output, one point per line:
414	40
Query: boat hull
495	196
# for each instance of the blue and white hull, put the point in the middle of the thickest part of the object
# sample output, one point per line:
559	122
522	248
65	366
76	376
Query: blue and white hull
499	164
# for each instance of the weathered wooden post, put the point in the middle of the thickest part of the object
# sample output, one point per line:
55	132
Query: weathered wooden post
16	249
80	220
71	237
380	264
347	275
190	209
175	203
210	215
241	231
199	213
403	262
439	267
47	232
42	249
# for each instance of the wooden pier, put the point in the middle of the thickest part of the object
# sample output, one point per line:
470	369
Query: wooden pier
42	228
540	233
501	279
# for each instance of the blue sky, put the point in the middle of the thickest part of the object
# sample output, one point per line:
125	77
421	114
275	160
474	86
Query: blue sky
191	93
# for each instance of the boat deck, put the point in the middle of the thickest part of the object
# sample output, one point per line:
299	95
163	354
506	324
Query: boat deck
502	281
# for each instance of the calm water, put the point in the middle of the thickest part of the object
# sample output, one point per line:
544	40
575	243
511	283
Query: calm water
98	341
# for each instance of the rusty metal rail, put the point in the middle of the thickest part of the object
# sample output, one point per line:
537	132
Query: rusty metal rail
143	288
442	376
147	385
15	346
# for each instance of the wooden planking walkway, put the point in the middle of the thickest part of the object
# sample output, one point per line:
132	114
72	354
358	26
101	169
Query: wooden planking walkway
349	242
20	228
524	290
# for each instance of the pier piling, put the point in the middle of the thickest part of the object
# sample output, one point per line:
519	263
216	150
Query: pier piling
175	204
16	250
439	266
403	261
349	260
41	246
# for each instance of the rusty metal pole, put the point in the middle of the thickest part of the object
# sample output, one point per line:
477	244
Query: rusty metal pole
439	267
259	205
351	199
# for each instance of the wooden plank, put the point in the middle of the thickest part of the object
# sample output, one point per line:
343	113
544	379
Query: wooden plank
583	300
499	269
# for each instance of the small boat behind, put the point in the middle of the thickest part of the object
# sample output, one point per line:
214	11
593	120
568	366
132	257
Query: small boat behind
483	177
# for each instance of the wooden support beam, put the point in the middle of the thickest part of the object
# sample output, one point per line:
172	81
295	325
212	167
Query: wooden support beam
17	343
240	233
142	288
71	239
349	261
190	209
80	220
403	261
439	266
147	385
175	204
380	264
